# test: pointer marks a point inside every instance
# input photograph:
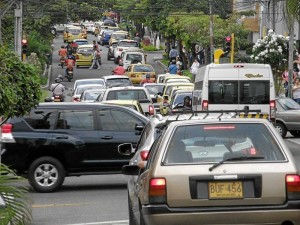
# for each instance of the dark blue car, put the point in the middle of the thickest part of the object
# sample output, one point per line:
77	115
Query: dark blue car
105	37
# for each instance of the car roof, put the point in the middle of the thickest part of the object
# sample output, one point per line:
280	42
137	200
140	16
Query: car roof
127	40
133	102
91	85
153	84
107	77
80	39
128	88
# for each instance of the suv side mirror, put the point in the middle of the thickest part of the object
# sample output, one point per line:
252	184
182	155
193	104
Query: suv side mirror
126	149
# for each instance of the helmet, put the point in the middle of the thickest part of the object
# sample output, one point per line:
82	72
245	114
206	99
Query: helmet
60	77
148	76
57	80
121	64
62	46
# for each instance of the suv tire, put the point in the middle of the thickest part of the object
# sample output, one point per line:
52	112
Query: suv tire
46	174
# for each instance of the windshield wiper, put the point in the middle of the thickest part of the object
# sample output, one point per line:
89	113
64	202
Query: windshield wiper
234	159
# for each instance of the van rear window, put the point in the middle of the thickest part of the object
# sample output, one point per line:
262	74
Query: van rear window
243	92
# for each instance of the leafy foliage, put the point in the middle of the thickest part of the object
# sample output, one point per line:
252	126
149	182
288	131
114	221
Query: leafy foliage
15	194
19	85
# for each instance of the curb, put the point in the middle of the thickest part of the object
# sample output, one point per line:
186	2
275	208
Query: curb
49	74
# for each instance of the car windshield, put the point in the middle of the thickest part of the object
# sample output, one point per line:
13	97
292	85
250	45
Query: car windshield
213	143
154	89
288	103
119	36
178	99
80	90
82	82
81	42
118	82
128	44
143	68
127	95
91	96
85	51
74	31
132	57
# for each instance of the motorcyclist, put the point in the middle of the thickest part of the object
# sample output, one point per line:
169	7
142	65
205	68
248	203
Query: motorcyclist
119	70
147	79
57	88
70	63
62	53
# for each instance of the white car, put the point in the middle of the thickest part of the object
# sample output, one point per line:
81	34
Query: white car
131	93
88	81
123	45
81	88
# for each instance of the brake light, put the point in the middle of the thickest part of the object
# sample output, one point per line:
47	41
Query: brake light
226	127
120	49
151	109
157	191
77	57
204	105
133	75
272	110
144	155
238	66
76	100
6	133
6	128
293	186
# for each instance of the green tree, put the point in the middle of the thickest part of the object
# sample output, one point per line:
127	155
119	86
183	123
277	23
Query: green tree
19	85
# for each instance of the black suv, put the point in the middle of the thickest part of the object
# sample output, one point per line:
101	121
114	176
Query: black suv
68	139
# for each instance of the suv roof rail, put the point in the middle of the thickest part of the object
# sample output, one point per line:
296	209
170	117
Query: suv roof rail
231	113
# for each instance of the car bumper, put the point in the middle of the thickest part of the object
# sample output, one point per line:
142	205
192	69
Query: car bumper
223	215
83	62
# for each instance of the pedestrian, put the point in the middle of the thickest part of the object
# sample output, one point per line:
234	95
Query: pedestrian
285	78
179	65
96	58
194	69
173	53
137	39
95	46
173	67
297	65
296	90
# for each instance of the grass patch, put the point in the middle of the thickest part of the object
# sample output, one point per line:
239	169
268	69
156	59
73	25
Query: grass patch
44	95
165	62
44	80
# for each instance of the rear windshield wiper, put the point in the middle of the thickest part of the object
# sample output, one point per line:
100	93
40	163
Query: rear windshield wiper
234	159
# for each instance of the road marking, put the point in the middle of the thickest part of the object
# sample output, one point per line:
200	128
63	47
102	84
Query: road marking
58	205
120	222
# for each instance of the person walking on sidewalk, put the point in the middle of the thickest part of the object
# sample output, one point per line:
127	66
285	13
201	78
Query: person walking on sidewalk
173	67
173	53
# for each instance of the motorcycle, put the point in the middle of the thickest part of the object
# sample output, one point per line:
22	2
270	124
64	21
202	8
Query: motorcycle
62	62
70	74
57	98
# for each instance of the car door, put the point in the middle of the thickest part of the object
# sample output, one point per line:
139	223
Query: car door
76	138
117	126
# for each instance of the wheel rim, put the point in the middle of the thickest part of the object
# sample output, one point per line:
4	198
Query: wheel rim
279	129
46	175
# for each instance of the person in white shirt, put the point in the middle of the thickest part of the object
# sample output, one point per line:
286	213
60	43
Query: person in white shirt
194	69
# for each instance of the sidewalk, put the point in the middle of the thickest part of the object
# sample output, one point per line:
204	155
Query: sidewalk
154	58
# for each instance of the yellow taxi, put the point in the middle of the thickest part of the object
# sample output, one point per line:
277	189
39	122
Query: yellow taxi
84	55
71	33
137	72
118	35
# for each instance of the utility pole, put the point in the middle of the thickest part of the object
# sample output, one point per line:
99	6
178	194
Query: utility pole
18	28
274	15
291	57
2	13
211	32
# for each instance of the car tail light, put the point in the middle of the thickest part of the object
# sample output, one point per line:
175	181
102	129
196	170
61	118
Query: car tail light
77	57
272	110
157	191
151	110
152	76
76	99
6	133
144	155
219	127
204	105
293	186
120	49
133	75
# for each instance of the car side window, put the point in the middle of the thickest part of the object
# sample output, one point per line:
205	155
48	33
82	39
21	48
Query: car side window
41	118
144	136
75	120
117	120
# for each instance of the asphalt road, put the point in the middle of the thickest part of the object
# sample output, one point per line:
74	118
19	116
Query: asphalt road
94	200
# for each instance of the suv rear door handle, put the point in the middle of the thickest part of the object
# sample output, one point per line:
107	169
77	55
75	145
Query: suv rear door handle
62	137
107	137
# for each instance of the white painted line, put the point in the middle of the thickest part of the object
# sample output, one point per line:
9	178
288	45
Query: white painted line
119	222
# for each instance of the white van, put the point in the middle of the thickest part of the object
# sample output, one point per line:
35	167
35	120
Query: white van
234	86
133	56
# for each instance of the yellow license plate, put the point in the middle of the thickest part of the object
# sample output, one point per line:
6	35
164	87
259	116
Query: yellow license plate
223	190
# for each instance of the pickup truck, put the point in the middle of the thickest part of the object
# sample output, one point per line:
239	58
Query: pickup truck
131	93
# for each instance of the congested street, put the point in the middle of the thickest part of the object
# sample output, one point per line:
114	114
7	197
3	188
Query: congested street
149	113
100	199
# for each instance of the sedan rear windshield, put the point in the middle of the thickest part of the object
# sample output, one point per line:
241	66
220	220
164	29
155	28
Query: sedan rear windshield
127	95
119	82
204	143
85	51
143	68
128	44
